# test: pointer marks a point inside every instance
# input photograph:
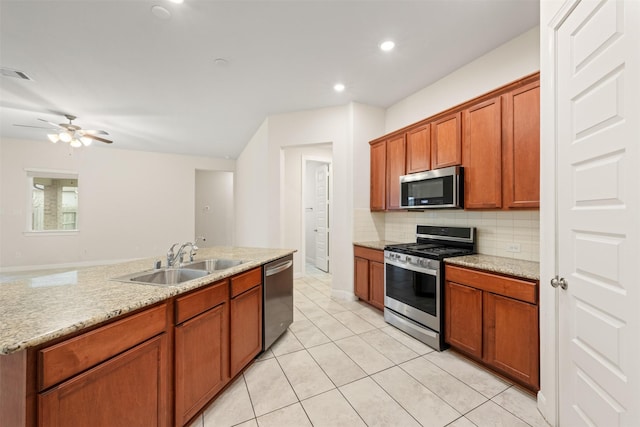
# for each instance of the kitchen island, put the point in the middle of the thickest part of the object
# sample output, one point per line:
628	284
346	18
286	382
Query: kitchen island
62	332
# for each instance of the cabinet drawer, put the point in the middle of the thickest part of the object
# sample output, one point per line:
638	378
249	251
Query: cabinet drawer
245	281
522	290
63	360
200	301
368	253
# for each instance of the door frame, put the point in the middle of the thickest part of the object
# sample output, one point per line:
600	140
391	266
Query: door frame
553	15
303	222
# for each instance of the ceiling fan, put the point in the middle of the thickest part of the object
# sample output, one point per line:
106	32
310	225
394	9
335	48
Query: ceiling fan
73	134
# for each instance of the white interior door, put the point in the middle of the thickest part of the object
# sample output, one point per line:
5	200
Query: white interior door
597	81
322	217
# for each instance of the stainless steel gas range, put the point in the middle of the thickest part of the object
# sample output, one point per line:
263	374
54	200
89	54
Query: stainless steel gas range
414	282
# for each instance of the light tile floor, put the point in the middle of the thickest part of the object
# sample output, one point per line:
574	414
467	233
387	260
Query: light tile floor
340	364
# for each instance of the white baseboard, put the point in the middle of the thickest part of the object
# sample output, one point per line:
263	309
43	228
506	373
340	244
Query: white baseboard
548	413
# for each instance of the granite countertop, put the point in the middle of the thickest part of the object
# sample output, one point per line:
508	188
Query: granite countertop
495	264
39	309
377	244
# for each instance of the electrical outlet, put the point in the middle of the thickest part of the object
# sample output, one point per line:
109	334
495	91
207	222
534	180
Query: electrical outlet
513	247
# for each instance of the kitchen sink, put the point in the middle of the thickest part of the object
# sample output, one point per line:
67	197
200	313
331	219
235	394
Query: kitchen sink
214	264
164	276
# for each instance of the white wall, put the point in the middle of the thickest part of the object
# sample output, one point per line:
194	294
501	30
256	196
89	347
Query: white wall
326	125
252	191
132	203
508	62
348	128
214	208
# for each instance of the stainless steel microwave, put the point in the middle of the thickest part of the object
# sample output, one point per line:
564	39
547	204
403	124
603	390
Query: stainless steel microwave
438	188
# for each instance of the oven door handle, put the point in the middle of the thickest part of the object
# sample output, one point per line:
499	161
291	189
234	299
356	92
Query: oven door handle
412	267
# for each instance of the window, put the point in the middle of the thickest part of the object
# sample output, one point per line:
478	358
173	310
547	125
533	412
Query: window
54	201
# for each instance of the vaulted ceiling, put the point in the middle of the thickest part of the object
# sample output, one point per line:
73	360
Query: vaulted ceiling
201	76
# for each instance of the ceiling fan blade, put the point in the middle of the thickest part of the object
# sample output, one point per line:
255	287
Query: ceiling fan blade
97	138
92	132
36	127
51	123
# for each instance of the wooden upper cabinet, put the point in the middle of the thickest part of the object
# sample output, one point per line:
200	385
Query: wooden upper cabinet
419	149
396	157
378	183
521	149
495	137
483	155
446	141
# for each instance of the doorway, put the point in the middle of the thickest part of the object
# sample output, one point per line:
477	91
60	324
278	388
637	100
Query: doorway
214	208
316	215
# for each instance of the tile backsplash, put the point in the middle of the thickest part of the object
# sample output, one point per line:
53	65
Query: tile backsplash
512	234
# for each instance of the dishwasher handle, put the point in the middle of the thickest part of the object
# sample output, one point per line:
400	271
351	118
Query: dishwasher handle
278	268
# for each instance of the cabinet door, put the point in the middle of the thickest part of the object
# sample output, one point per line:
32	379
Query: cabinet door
419	149
511	338
128	390
246	328
377	200
361	278
463	318
521	151
201	361
396	157
376	284
446	141
483	155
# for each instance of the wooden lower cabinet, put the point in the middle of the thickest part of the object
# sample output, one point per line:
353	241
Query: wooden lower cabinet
509	341
361	279
369	275
463	332
201	357
245	326
129	390
494	320
159	366
376	280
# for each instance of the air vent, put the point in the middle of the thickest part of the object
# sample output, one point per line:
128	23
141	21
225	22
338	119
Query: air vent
15	73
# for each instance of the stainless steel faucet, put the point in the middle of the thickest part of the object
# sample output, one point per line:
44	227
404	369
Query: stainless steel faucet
172	257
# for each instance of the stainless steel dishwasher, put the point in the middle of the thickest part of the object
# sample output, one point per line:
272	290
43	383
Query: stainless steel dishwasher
277	311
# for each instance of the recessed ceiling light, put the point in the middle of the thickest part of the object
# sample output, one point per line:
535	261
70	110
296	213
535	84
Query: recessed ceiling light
221	62
338	87
177	1
387	45
160	12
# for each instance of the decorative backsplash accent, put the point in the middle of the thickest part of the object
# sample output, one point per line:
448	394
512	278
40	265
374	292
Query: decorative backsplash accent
511	234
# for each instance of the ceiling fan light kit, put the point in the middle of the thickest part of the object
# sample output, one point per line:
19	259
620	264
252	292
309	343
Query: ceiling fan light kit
72	134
